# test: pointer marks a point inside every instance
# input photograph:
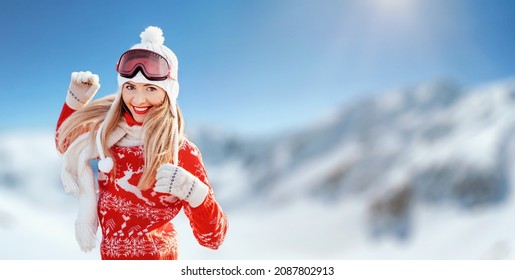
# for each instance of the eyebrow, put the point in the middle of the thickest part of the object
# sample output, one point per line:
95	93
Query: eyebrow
134	84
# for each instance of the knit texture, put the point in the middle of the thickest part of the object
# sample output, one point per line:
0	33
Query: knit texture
134	221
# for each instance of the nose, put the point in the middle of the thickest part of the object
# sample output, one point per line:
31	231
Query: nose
139	98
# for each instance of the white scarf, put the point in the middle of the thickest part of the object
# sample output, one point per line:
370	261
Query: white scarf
78	179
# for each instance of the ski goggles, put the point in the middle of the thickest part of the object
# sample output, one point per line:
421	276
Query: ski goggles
152	65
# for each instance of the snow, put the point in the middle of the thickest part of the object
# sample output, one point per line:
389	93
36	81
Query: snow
302	230
337	232
34	232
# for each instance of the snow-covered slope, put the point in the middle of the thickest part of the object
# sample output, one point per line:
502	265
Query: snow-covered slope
423	173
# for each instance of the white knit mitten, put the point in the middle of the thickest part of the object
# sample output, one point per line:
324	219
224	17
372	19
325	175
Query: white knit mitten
83	86
178	182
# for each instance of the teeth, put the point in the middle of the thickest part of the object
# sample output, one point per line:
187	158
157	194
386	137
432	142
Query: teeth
140	109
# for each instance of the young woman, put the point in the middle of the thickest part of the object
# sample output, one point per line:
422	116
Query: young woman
148	169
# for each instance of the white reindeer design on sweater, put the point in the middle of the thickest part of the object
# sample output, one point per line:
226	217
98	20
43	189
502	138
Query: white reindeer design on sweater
124	183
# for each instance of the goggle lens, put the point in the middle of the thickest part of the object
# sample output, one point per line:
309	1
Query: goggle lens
152	65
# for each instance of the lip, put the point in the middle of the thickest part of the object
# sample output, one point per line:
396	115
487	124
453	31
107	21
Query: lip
141	110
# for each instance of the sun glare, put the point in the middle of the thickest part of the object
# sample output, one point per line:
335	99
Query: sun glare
396	8
401	17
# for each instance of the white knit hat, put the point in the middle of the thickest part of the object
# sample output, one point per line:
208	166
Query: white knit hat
151	39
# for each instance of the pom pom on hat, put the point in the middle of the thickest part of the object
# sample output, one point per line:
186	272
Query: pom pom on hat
152	35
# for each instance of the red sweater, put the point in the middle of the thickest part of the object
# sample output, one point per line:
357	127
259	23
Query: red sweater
136	224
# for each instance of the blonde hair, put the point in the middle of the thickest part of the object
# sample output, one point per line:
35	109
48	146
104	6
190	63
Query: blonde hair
158	131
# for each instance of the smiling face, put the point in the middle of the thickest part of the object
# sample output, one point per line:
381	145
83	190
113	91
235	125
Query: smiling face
140	98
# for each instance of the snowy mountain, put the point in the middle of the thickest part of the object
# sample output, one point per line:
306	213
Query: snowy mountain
406	174
439	132
438	143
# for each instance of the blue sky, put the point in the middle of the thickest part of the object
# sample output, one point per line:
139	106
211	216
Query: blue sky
254	67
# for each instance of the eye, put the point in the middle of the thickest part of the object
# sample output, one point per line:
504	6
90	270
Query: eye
130	87
151	89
